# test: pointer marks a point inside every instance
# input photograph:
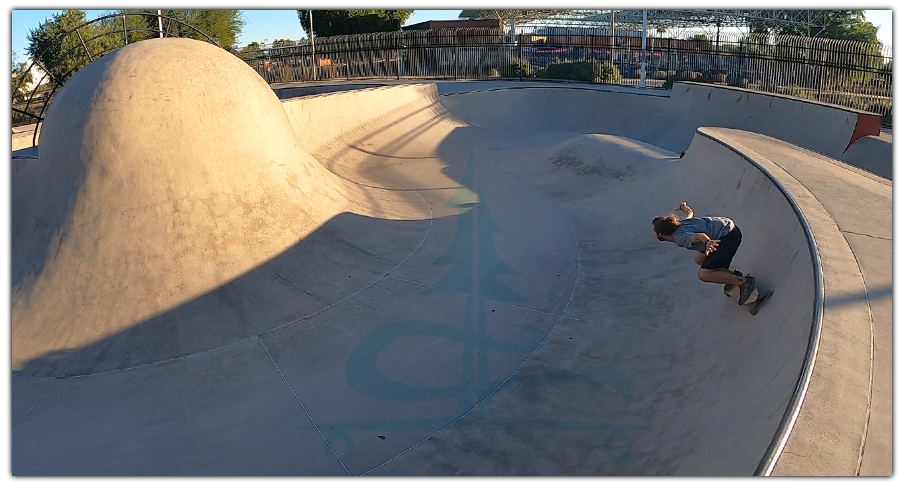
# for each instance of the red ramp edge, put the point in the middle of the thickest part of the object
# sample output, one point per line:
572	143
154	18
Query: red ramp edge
866	124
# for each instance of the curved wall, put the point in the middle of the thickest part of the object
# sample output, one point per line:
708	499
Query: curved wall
735	373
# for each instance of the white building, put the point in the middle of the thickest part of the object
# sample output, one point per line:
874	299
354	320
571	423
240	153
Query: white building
37	76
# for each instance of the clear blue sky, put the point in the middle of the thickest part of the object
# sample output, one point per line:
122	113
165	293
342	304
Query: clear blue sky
273	24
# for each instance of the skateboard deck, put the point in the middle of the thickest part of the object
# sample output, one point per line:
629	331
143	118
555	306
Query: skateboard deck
756	299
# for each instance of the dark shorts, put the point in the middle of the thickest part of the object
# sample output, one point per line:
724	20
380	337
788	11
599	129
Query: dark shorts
728	246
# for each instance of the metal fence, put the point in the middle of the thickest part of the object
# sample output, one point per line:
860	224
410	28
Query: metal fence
848	73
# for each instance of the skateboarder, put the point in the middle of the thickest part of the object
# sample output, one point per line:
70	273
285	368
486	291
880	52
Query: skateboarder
715	239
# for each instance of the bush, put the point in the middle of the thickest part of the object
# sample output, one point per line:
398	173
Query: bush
518	68
607	73
302	73
686	76
578	71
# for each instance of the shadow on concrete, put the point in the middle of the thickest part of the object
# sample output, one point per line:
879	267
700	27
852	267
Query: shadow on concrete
42	201
343	256
860	298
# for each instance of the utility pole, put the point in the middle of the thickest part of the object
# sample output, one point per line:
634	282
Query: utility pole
612	55
312	39
644	53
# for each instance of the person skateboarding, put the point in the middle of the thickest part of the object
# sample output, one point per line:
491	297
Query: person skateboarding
715	239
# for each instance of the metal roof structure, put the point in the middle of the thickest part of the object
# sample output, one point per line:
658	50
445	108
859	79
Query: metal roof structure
656	17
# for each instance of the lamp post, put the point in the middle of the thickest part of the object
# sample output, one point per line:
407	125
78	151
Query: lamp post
644	53
312	40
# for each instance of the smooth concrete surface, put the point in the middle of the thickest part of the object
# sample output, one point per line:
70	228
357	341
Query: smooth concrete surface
394	282
848	408
850	135
875	154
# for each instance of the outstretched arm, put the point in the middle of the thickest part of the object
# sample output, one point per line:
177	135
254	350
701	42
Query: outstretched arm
688	213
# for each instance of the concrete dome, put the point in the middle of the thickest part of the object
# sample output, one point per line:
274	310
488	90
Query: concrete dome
168	164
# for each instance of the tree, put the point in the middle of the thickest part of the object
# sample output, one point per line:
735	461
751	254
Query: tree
282	42
224	26
251	51
834	24
62	55
349	22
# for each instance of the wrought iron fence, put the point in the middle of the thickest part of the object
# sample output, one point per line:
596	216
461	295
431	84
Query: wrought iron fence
848	73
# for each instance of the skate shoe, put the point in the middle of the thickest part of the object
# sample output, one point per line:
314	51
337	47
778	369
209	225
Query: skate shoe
747	289
728	288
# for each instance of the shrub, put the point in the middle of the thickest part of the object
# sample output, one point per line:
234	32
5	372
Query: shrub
578	71
518	68
607	73
686	76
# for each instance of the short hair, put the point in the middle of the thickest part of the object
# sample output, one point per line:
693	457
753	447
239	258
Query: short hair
666	225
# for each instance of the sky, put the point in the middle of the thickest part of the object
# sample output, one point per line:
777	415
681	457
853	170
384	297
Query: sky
269	25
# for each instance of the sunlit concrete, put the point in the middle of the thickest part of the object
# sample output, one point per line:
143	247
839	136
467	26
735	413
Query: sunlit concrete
426	280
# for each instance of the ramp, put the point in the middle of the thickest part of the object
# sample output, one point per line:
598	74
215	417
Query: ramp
387	282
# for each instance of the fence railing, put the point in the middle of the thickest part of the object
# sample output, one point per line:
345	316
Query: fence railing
848	73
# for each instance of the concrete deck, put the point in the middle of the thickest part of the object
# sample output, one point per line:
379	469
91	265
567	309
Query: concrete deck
438	280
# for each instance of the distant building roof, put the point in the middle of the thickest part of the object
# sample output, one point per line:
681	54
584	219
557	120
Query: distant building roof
476	23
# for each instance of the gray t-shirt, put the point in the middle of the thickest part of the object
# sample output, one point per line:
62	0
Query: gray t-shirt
714	227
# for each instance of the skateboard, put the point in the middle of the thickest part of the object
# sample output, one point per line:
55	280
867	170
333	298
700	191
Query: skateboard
756	299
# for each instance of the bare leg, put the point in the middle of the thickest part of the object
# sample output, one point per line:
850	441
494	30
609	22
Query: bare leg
699	257
721	276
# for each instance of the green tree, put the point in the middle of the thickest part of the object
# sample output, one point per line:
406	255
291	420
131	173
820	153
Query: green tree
128	28
836	25
62	55
282	42
251	51
225	26
349	22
